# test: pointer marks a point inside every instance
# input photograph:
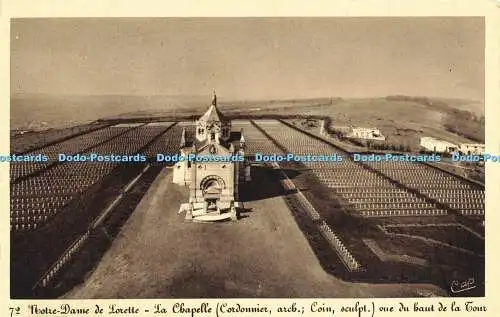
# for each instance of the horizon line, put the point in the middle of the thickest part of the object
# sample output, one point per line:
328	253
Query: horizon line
234	98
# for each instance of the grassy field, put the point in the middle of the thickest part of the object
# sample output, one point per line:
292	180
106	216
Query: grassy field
452	235
400	121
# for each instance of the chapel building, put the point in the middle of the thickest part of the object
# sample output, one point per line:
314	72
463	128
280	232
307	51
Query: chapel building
215	168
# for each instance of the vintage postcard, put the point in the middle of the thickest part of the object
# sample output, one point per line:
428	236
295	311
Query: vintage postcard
287	158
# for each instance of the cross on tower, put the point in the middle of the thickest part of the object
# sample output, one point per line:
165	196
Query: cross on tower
214	100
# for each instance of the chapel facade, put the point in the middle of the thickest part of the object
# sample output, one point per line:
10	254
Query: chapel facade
214	168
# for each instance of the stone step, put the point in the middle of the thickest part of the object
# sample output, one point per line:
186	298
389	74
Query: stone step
212	217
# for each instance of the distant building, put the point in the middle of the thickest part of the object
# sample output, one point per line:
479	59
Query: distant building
365	133
437	145
322	127
472	148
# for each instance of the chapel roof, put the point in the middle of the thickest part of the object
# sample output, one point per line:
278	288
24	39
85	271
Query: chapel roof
213	113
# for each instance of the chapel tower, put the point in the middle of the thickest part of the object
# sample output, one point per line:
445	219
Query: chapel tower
213	126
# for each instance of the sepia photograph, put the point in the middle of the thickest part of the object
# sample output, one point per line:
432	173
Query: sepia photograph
247	157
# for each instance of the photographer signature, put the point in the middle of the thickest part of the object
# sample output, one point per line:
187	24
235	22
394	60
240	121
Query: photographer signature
462	286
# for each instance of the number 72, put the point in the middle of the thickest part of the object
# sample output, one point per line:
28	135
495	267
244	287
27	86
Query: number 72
14	311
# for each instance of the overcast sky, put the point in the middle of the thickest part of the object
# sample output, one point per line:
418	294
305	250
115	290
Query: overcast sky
250	57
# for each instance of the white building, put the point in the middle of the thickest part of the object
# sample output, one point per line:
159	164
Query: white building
322	127
472	148
366	133
213	184
437	145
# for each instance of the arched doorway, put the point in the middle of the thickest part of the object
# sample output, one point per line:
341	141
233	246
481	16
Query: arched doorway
212	187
